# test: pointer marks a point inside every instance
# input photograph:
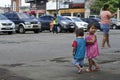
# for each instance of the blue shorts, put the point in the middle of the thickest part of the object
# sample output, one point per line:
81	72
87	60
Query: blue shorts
105	28
78	62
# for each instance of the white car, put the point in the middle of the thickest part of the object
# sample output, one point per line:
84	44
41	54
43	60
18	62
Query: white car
115	24
6	26
78	22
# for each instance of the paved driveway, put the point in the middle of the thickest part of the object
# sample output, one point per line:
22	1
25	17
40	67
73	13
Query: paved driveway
45	56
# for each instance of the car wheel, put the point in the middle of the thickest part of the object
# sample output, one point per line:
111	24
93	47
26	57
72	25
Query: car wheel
36	31
10	32
114	27
21	29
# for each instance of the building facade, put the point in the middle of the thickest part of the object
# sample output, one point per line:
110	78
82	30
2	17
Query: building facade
15	5
2	10
62	7
37	6
69	7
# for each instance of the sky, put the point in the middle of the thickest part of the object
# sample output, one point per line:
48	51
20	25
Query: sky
8	2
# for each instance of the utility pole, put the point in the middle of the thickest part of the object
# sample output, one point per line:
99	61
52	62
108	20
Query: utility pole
56	6
36	8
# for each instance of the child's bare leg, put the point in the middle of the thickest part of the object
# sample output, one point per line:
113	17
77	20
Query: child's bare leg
95	64
79	68
90	65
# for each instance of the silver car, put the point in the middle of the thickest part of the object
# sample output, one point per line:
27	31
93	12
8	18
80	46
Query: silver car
78	22
6	26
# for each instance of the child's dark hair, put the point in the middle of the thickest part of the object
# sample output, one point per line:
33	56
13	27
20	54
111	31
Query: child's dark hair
80	32
90	25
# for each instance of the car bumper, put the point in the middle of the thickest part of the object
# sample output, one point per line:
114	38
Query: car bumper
7	29
35	26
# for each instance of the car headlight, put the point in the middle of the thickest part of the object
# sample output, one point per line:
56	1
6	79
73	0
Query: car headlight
39	23
13	25
0	24
27	23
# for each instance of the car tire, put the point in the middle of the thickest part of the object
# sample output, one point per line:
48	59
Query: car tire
21	29
36	31
114	27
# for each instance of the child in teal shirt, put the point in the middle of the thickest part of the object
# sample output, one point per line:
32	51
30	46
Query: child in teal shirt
79	47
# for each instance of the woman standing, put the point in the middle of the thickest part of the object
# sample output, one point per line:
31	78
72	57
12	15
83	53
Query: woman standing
105	24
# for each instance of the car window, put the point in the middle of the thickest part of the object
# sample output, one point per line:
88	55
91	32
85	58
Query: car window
68	19
43	17
50	18
46	18
77	19
61	18
23	16
2	17
15	15
8	15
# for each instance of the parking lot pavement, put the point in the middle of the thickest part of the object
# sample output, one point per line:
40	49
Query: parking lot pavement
45	56
7	75
62	69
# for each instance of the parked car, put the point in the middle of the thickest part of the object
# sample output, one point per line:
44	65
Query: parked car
63	23
6	26
45	22
23	22
115	24
96	17
91	20
78	22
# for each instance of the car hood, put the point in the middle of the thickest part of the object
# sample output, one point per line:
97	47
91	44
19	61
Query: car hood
5	21
81	24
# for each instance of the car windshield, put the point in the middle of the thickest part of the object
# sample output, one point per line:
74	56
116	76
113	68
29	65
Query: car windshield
77	19
23	16
2	17
61	18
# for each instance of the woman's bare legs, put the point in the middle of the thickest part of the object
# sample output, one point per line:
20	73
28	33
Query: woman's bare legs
108	44
105	40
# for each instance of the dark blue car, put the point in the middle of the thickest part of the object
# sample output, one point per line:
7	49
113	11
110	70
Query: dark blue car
23	22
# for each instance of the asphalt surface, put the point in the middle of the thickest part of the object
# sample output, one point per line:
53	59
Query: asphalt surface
45	56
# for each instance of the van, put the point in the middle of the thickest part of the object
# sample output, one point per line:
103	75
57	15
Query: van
23	22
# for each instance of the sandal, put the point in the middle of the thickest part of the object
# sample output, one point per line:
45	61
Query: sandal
88	70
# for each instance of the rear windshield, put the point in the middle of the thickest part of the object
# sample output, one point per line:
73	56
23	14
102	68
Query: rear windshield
77	19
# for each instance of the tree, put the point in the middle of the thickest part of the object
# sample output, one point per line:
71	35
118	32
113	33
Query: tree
98	5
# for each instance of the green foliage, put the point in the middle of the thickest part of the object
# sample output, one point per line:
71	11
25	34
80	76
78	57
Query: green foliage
98	5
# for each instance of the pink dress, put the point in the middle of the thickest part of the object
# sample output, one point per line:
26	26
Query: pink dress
91	49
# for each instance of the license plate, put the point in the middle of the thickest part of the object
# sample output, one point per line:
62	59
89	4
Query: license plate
7	28
35	26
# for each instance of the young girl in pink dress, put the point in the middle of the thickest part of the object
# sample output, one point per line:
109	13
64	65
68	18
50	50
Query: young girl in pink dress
91	47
